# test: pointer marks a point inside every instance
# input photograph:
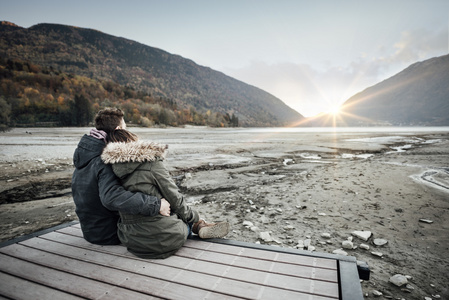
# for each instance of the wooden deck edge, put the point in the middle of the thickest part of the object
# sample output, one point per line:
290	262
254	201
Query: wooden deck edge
279	249
36	234
350	287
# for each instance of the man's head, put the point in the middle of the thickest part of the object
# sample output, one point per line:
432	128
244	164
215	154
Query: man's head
110	119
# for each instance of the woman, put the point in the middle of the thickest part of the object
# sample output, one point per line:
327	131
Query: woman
140	166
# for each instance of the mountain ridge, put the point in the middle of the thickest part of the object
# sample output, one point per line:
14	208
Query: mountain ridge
92	53
416	96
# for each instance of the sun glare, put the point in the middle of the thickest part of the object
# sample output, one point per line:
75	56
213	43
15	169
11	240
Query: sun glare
334	110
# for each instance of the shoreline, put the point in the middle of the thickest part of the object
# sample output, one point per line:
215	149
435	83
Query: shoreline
278	188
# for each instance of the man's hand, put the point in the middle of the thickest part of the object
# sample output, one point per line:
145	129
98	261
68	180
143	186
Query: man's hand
165	208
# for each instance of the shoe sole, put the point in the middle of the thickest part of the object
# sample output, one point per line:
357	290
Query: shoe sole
219	230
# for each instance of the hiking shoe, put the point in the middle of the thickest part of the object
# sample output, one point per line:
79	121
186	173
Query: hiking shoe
210	230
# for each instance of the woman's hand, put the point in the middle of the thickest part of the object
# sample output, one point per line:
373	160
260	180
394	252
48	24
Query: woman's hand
165	208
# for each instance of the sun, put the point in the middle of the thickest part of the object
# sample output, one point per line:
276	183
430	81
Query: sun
334	110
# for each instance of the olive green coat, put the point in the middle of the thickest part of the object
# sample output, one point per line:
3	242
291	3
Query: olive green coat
140	166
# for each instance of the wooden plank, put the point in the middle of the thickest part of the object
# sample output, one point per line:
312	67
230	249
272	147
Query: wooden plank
17	288
62	281
261	265
296	259
173	273
152	286
252	261
207	263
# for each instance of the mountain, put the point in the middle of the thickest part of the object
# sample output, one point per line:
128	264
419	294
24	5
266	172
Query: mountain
93	54
418	95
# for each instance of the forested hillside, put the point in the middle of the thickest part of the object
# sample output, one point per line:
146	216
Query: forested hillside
34	95
93	55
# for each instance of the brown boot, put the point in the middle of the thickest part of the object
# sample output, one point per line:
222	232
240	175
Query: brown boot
210	230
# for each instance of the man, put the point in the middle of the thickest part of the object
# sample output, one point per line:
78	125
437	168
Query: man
97	192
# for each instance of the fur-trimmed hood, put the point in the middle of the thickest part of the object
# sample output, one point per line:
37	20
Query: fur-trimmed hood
139	151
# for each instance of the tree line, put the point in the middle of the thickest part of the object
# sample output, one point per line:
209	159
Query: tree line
32	95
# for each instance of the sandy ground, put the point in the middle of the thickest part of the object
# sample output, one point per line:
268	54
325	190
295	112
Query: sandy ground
281	188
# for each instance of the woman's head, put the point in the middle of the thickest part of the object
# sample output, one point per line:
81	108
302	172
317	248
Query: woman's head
121	136
109	119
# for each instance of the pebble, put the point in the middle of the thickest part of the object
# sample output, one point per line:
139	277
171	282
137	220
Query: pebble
307	243
426	221
265	236
364	235
321	214
326	235
248	223
340	252
347	245
377	293
364	246
398	280
289	227
380	242
379	254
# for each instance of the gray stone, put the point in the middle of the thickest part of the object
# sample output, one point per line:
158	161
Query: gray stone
398	280
364	246
364	235
426	221
265	236
340	252
380	242
248	224
326	235
379	254
347	245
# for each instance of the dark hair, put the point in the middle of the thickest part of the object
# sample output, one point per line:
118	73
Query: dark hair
121	135
108	119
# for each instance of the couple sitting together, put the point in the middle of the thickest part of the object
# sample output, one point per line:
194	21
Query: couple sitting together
124	194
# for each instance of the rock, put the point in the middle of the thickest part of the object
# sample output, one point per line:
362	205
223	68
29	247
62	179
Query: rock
321	214
265	236
347	245
377	293
248	224
251	202
426	221
398	280
254	228
364	235
326	235
311	248
380	242
364	246
289	227
307	243
379	254
340	252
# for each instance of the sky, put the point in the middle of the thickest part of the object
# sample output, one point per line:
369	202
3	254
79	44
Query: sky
311	54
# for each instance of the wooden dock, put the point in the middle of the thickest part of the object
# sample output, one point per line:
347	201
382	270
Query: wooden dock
59	264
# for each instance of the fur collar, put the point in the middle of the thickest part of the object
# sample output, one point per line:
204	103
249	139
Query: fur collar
138	151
